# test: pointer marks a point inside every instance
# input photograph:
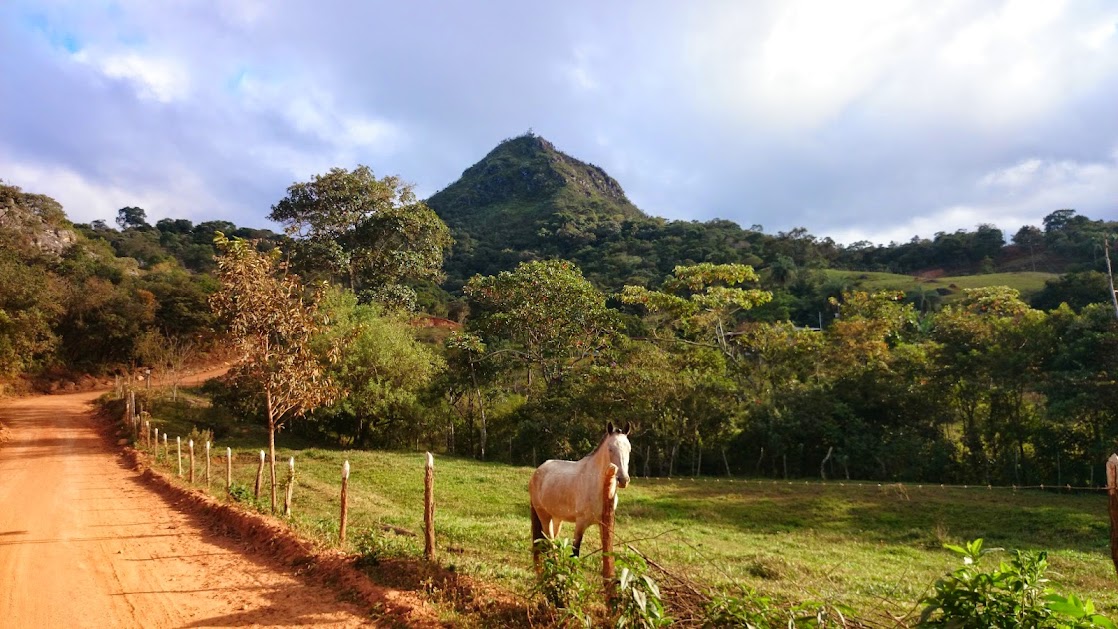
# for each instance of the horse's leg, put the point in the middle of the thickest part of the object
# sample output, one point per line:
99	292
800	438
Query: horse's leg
580	528
537	535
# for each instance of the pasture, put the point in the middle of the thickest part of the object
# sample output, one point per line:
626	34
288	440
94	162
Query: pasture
1027	283
876	548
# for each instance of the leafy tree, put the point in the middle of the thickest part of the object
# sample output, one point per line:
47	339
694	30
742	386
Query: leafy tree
132	218
372	231
29	310
272	325
553	316
701	300
383	371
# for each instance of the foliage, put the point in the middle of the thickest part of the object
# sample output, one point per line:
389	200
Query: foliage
272	327
384	371
1015	594
553	315
638	597
562	584
374	232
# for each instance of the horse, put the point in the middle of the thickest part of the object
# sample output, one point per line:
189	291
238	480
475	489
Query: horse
571	491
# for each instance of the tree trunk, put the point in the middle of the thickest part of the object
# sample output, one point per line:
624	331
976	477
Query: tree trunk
671	461
726	462
272	458
1110	275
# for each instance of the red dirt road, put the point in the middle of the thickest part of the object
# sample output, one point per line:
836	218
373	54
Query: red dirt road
84	543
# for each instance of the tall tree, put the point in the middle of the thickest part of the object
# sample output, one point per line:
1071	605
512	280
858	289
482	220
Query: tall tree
554	316
272	325
374	232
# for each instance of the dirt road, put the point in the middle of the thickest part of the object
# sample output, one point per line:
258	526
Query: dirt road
83	542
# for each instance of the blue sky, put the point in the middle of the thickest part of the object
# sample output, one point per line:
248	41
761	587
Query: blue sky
857	120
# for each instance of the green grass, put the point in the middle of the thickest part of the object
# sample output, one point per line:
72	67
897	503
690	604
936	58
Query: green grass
876	548
1026	282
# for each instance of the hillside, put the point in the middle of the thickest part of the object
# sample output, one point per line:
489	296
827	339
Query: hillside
528	200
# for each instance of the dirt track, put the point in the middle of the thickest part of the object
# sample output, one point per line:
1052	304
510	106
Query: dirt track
84	543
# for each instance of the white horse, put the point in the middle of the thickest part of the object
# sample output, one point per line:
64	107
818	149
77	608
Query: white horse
571	491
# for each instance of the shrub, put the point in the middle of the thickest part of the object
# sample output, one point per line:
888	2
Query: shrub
1014	594
562	583
638	596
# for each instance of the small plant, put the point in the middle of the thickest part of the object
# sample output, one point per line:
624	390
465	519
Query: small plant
562	583
374	548
240	493
200	437
638	596
1014	594
750	611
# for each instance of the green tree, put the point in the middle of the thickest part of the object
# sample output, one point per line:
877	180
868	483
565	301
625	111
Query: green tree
384	371
132	218
272	325
374	232
552	315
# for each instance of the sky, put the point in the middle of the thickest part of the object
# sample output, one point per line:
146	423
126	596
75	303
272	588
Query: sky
857	120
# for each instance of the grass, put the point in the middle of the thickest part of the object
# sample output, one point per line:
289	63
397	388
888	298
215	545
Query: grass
877	548
1026	282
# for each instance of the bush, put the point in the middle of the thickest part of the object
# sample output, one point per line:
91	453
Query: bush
1014	594
638	596
562	584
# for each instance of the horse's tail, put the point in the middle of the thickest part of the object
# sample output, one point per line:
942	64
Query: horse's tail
537	534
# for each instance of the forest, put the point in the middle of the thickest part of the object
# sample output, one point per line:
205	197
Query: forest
731	351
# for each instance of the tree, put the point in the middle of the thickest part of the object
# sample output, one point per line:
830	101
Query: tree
554	316
383	372
372	231
132	218
272	326
702	300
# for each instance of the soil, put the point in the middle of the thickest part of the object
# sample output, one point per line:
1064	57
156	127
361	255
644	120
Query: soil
90	539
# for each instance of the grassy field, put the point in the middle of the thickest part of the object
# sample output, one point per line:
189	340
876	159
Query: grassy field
1027	282
876	548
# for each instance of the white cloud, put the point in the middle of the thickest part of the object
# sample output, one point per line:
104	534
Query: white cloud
160	79
1009	197
182	195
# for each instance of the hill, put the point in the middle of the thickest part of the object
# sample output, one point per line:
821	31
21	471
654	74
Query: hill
528	200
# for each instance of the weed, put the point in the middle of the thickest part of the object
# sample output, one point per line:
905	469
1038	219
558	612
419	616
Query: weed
241	493
562	583
1014	594
638	596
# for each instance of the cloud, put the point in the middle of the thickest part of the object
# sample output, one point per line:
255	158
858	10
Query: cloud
874	118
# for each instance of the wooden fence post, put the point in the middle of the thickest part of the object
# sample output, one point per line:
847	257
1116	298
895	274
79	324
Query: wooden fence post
147	434
609	494
290	486
429	509
1112	489
191	445
259	477
178	449
207	465
166	448
228	470
156	447
345	502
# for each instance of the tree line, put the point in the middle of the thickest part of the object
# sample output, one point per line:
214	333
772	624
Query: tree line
704	361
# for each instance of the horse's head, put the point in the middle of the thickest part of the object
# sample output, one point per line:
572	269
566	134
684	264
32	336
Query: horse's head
617	442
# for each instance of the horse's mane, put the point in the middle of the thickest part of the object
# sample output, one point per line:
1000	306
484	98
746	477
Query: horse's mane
599	446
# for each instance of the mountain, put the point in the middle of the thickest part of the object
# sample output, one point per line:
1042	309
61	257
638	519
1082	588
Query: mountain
528	200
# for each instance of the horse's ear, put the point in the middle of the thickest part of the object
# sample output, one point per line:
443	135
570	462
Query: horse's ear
628	427
610	429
